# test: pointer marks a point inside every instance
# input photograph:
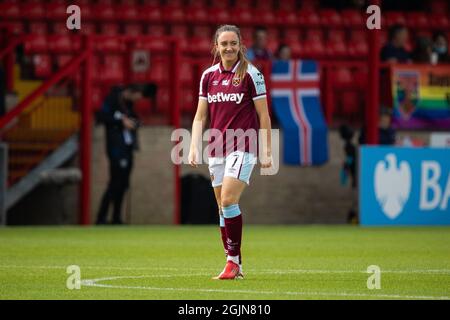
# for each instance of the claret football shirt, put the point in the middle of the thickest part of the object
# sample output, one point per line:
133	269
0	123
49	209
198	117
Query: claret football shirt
231	104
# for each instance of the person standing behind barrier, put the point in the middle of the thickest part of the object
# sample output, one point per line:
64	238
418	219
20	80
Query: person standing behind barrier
121	124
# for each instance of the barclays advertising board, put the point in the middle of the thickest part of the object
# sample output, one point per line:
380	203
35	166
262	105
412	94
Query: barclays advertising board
404	186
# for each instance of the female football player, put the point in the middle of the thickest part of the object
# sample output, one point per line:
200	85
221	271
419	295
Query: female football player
233	95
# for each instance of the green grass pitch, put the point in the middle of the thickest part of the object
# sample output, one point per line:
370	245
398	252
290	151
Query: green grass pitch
170	262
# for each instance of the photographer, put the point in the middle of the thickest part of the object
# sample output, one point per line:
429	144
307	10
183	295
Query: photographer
121	124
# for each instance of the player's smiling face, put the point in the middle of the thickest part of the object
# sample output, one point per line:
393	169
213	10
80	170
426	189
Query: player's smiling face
228	47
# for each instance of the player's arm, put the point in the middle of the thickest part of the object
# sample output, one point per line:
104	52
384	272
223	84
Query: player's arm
198	125
266	132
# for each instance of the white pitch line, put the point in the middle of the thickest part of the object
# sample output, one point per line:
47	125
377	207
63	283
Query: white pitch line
256	271
94	283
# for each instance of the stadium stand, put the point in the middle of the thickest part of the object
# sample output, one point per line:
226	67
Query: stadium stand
310	28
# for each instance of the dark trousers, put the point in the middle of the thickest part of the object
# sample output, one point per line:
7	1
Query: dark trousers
119	173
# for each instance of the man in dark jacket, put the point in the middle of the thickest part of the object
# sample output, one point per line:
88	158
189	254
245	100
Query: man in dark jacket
121	124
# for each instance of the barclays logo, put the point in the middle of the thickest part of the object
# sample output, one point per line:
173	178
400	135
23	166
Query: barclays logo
392	184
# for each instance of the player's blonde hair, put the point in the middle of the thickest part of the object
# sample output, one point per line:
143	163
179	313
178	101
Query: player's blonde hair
244	62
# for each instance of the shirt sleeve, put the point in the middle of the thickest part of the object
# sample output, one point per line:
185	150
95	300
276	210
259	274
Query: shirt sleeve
257	84
203	91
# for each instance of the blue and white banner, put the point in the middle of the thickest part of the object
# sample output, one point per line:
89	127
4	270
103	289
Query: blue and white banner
296	102
404	186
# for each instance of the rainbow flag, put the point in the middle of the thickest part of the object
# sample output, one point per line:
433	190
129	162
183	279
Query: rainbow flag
421	96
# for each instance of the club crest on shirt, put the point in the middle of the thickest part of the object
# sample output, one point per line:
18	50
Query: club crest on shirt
236	81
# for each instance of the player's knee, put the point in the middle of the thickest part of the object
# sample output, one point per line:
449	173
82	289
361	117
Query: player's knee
227	200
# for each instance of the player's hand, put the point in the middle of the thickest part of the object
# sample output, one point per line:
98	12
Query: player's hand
128	123
266	161
192	158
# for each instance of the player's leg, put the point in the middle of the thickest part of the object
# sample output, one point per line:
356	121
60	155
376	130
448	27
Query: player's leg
216	170
223	233
238	168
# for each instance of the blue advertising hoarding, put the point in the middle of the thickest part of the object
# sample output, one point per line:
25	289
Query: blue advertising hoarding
404	186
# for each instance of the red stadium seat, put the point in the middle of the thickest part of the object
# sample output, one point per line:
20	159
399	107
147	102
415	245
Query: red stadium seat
361	78
103	12
439	6
243	16
417	20
60	28
113	69
330	18
159	70
199	4
163	99
352	18
289	5
36	44
310	5
57	11
393	17
156	30
17	27
133	29
174	14
154	45
203	31
32	10
266	5
272	44
38	28
314	49
110	44
292	35
175	3
63	59
59	43
42	65
218	15
88	28
127	12
342	77
296	48
181	31
197	15
202	46
109	28
150	14
336	48
188	100
97	98
287	18
314	34
439	21
336	35
186	75
350	102
308	18
358	49
244	4
247	35
220	4
264	16
9	10
358	35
